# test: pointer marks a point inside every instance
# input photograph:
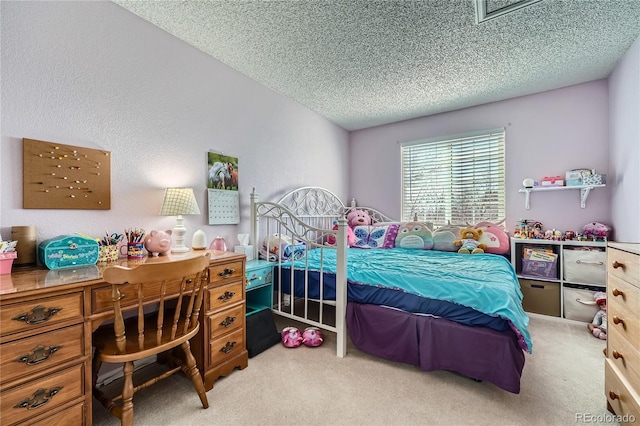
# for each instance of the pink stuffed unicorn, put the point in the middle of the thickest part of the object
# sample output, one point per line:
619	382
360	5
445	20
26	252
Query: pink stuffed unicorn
312	337
291	337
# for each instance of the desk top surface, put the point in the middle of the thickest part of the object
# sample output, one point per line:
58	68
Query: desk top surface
24	280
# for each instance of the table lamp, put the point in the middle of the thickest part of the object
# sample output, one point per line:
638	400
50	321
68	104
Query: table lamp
178	202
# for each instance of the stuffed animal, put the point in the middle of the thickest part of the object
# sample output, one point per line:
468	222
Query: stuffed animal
470	242
414	235
495	238
312	337
291	337
598	327
444	236
351	238
358	218
596	231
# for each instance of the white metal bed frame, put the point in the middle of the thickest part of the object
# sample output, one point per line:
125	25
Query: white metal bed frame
308	215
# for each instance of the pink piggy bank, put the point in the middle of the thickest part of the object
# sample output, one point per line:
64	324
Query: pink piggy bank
158	242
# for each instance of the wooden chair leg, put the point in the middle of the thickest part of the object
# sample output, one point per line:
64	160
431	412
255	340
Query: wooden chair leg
193	372
126	418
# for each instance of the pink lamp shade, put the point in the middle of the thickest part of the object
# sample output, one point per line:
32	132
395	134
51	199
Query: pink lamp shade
218	245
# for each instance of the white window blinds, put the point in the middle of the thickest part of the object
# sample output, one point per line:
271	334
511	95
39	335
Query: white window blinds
457	180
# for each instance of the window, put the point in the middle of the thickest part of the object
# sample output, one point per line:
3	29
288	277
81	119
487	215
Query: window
456	180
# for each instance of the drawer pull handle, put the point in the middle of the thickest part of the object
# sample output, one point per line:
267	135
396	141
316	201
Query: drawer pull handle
228	321
227	295
39	398
604	351
613	395
587	262
617	292
255	277
38	315
617	355
228	347
226	273
617	264
617	320
38	354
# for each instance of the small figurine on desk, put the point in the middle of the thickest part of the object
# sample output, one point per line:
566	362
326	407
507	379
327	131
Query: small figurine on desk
598	327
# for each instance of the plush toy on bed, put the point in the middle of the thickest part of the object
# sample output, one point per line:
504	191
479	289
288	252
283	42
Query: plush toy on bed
351	238
470	242
598	327
415	235
358	218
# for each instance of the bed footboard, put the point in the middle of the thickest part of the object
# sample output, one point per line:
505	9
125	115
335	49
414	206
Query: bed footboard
286	231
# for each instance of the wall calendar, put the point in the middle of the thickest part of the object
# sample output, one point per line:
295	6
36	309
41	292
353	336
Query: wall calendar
222	189
224	207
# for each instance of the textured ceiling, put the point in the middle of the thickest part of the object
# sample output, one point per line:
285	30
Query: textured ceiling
362	63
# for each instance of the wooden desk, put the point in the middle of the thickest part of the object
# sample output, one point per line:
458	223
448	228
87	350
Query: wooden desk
46	321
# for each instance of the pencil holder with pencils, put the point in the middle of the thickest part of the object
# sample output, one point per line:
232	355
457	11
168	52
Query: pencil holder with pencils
135	244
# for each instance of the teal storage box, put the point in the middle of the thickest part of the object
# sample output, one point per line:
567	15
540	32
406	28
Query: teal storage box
68	251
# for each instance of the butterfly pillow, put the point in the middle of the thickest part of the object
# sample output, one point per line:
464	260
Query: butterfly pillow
383	236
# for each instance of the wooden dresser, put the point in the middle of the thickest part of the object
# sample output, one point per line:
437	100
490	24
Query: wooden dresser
46	321
622	366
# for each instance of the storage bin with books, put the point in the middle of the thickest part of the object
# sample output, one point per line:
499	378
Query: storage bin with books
539	262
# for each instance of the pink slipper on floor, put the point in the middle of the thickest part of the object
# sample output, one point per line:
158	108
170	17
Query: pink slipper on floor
291	337
312	337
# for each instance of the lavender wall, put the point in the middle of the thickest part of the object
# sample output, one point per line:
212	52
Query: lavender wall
94	75
624	140
546	134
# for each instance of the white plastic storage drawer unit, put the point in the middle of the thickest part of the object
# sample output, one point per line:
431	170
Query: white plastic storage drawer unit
585	266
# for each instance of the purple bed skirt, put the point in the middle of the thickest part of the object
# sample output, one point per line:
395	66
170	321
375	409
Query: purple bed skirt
434	343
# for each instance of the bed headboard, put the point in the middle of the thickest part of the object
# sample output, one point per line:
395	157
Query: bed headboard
307	214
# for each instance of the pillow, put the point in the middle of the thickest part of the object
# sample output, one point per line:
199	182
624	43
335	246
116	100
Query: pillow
496	239
415	235
444	237
375	236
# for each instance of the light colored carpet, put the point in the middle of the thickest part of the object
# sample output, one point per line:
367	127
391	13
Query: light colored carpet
562	384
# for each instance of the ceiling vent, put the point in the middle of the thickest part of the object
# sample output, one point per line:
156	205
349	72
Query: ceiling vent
489	9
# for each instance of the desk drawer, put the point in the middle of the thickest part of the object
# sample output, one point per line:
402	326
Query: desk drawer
227	346
101	297
73	415
41	395
225	272
630	268
224	296
35	314
226	321
24	357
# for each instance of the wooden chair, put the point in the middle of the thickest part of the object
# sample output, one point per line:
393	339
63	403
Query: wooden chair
177	288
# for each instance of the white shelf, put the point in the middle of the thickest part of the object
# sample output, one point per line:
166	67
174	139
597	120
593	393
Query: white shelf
517	245
584	192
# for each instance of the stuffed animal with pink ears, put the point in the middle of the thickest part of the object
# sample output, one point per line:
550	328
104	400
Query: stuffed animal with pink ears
291	337
358	218
312	337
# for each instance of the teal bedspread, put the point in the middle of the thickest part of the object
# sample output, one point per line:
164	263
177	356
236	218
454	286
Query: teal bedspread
484	282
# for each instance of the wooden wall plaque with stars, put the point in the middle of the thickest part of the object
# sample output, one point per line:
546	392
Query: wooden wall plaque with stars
57	176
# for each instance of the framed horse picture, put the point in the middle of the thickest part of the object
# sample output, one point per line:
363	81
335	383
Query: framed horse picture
222	172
